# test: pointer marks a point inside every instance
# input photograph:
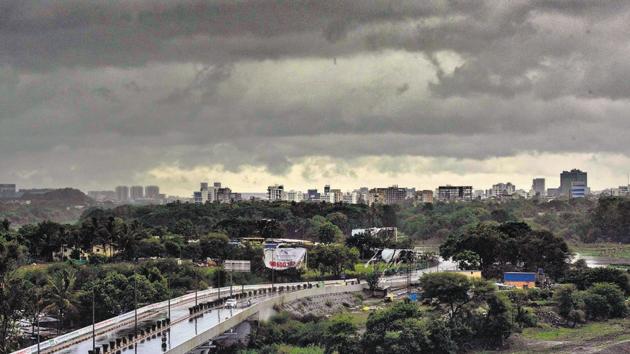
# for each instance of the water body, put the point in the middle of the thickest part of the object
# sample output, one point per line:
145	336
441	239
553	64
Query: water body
598	261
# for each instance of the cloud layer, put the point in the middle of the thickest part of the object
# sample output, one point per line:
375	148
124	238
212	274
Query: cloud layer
98	93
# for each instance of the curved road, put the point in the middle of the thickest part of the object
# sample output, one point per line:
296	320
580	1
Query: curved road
183	326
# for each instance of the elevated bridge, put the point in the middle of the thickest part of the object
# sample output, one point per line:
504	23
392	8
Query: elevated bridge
182	324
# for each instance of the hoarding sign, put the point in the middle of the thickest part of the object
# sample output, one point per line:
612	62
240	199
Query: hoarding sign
237	266
284	258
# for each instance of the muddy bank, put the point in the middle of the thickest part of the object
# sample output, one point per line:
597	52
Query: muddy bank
320	306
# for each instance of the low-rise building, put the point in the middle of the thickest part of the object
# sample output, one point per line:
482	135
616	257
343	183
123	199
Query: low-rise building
473	274
578	189
8	190
522	280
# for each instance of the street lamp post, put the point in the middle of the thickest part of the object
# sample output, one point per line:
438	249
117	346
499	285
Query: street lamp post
38	350
231	280
135	305
93	321
168	289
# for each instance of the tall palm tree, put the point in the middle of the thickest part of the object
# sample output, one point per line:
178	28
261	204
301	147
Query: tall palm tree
61	295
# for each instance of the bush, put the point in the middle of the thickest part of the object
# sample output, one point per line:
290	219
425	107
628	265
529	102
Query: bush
596	306
577	316
538	294
96	259
607	300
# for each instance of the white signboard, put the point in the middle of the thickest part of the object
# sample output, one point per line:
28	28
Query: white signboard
284	258
237	266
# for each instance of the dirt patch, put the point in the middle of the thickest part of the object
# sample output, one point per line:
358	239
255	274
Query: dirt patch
619	348
321	306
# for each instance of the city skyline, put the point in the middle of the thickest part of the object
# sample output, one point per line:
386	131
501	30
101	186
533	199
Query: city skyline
396	92
260	186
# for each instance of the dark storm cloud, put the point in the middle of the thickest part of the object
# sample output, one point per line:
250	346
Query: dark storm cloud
86	83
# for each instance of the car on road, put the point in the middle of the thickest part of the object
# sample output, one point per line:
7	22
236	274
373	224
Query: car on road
231	303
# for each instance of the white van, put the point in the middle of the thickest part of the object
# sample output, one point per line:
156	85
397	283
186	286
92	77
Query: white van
231	303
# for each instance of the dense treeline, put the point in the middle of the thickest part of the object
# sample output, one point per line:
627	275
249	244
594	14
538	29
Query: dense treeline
606	219
610	221
512	246
250	218
586	220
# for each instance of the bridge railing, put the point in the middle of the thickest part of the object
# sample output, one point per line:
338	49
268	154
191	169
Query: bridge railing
115	322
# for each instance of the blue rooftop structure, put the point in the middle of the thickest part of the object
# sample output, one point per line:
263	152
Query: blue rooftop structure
518	276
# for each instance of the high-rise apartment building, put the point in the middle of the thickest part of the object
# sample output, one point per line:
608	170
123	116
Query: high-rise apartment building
122	193
502	190
337	195
152	192
206	194
424	196
538	187
136	192
389	195
454	193
567	178
295	196
276	192
313	195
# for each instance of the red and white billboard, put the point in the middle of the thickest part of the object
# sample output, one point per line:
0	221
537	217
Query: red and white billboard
284	258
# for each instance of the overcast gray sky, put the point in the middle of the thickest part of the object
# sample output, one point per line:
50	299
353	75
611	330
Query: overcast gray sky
352	93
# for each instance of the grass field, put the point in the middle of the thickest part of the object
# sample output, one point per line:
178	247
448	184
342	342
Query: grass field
288	349
582	333
610	250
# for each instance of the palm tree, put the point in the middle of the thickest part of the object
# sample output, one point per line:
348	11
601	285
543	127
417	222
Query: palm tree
61	296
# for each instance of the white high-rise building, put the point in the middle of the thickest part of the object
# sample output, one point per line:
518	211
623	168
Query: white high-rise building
206	194
276	192
295	196
502	190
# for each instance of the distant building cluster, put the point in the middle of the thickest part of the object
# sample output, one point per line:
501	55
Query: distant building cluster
126	195
215	193
364	195
573	184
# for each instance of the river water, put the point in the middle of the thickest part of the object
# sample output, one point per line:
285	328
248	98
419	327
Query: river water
597	261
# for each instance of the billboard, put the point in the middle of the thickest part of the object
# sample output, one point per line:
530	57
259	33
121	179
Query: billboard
237	266
284	258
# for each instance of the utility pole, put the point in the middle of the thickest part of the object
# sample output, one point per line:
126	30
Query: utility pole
219	284
135	305
93	321
231	280
38	340
168	289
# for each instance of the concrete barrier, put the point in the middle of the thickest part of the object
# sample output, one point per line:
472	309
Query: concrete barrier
263	310
67	340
